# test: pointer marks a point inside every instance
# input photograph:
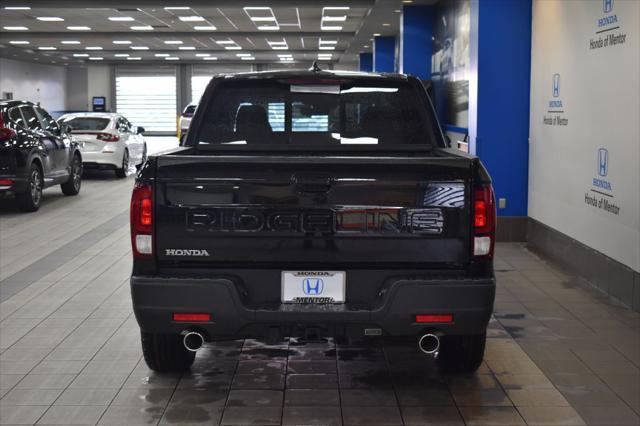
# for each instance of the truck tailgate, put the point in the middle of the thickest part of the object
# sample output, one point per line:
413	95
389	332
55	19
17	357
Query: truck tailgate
221	210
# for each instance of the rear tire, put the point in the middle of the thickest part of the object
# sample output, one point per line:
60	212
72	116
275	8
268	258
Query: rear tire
165	353
72	186
29	201
124	170
462	354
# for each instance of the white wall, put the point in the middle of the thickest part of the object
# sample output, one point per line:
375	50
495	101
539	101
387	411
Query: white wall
99	81
77	89
599	86
34	82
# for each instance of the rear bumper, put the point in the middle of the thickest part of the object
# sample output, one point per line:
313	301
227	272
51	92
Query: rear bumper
100	159
391	315
19	184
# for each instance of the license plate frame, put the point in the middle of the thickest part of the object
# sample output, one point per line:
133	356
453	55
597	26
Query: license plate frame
322	287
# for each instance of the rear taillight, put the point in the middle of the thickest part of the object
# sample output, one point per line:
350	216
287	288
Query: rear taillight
108	137
142	221
6	182
484	221
6	133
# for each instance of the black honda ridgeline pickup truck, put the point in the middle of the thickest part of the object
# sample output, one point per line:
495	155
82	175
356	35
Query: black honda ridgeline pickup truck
313	203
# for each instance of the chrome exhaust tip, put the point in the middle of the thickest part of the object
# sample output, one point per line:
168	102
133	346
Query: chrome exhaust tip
429	344
192	340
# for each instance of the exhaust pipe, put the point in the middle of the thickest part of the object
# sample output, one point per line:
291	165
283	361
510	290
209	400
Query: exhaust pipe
192	340
429	344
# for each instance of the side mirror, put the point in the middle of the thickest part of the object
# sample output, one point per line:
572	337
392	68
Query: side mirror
140	130
65	128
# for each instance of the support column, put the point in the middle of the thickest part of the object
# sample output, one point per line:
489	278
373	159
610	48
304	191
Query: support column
499	89
366	62
416	31
384	50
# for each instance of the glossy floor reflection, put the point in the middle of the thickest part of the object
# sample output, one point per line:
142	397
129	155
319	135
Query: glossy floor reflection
558	352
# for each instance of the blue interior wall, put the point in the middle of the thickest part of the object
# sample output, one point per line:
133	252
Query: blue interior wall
384	49
503	90
366	62
416	36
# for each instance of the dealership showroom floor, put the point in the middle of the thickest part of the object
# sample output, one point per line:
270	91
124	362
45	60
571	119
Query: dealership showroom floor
203	170
558	353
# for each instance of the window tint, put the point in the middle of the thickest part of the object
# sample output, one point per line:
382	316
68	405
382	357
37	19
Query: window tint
48	123
127	125
16	117
353	113
86	123
31	118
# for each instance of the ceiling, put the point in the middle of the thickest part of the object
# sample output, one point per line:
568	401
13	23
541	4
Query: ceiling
240	31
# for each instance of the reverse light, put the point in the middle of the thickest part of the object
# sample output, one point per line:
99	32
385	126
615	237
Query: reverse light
142	221
484	221
434	318
191	317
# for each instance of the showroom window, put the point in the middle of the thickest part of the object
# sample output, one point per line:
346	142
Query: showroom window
147	99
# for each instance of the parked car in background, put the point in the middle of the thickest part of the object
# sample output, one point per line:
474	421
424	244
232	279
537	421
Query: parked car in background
185	121
35	153
107	140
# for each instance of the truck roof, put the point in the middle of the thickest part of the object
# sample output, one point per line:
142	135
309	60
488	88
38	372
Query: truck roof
309	74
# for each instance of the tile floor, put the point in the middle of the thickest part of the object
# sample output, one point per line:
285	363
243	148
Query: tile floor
558	353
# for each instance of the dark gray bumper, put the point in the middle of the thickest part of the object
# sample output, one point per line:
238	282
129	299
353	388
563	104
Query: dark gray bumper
156	299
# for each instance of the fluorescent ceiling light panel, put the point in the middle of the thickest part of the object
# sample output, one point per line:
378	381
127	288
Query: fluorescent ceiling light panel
17	8
233	48
187	48
138	48
243	54
134	58
93	48
334	18
49	18
70	41
263	14
202	55
81	55
95	58
248	58
142	28
177	8
225	42
18	42
210	58
327	48
191	18
162	55
171	58
121	42
263	18
328	41
16	28
205	28
121	18
121	55
47	48
79	28
173	42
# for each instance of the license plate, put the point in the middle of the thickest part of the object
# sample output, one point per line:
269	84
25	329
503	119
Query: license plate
313	286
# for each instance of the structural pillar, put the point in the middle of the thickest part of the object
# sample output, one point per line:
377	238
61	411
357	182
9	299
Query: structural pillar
499	89
416	31
384	50
366	62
